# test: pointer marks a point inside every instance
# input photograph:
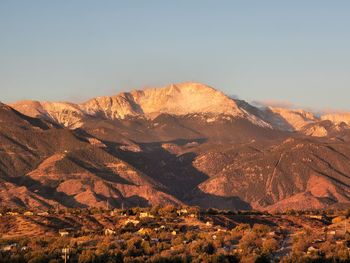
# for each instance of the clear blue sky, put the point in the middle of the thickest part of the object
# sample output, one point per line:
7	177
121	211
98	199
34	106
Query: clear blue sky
296	51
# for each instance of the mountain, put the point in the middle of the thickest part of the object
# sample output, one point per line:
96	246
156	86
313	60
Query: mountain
290	119
292	174
180	99
181	144
66	114
42	166
338	118
305	122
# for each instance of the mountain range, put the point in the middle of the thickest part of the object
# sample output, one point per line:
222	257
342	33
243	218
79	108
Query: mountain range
183	144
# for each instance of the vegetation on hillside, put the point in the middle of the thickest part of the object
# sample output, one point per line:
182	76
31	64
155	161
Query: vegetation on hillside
173	234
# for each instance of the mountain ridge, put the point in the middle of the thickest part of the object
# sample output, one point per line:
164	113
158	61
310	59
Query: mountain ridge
151	147
179	99
175	99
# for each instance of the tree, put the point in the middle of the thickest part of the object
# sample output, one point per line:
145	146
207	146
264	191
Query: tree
269	246
147	248
209	248
300	244
87	256
249	243
261	229
241	227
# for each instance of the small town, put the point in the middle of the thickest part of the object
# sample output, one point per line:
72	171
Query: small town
173	234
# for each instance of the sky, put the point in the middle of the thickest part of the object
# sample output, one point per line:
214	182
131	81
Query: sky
295	52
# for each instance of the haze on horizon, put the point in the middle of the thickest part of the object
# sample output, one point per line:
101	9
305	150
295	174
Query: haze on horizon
294	51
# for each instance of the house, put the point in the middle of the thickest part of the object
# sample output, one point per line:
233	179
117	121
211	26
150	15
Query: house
319	240
319	217
9	247
173	233
331	233
28	213
117	212
109	232
208	223
159	228
338	219
144	231
63	233
113	213
25	248
43	214
146	214
132	221
340	242
12	213
272	233
182	211
237	250
312	250
154	240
